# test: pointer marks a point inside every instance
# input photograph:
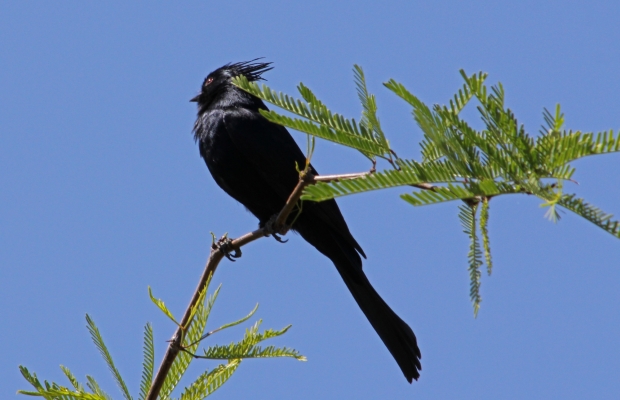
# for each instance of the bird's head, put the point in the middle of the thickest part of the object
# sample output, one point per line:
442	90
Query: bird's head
219	82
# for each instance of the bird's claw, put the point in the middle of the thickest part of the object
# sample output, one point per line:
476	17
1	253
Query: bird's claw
278	238
270	229
224	247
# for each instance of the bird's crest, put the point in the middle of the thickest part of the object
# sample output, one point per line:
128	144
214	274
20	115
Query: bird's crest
250	69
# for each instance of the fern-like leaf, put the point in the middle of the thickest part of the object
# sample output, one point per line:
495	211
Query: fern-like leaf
368	147
190	342
369	106
591	213
210	381
237	322
162	306
237	351
484	230
148	364
439	195
247	347
98	340
431	125
319	121
561	148
34	381
467	215
96	389
74	382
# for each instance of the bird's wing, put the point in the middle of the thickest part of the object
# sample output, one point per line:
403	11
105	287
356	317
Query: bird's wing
274	153
267	146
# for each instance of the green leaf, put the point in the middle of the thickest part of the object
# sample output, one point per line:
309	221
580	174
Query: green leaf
319	121
74	382
162	306
431	124
557	149
54	391
190	342
475	84
237	322
439	195
34	381
484	229
591	213
148	364
210	381
467	215
369	104
94	386
98	340
341	136
238	351
554	122
247	348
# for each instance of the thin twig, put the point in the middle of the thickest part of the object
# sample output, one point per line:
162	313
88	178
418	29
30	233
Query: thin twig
216	256
336	178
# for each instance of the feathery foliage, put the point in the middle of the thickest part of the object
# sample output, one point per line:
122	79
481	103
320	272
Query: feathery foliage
318	120
484	229
193	332
457	161
98	340
200	388
162	306
148	365
210	381
247	348
467	215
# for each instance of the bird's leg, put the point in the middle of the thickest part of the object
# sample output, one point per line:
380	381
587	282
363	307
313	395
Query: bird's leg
270	229
223	244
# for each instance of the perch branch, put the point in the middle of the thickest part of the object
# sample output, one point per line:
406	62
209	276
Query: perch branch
175	344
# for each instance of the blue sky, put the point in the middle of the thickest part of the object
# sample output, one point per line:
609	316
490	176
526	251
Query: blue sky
104	193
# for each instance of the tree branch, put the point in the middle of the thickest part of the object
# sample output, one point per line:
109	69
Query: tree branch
216	255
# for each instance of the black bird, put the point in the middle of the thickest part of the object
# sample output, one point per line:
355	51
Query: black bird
255	160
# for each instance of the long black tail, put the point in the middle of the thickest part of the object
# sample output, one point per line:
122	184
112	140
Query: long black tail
393	331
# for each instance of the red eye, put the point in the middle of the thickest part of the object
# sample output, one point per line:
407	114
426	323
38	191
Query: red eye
207	81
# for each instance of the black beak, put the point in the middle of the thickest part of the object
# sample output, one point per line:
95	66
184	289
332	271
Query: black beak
195	99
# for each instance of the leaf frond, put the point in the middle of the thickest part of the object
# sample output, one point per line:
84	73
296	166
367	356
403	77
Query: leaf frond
467	215
319	121
103	350
148	363
162	306
210	381
74	382
591	213
247	347
96	389
191	340
369	105
484	230
559	148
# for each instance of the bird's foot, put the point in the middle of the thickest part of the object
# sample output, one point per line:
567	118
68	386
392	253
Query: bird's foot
270	229
224	245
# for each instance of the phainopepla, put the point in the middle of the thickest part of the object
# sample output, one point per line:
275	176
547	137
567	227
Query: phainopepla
255	161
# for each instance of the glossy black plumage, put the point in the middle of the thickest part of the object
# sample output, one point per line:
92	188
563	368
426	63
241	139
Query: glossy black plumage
254	161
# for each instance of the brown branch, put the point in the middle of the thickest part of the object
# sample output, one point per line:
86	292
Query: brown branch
216	256
336	178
